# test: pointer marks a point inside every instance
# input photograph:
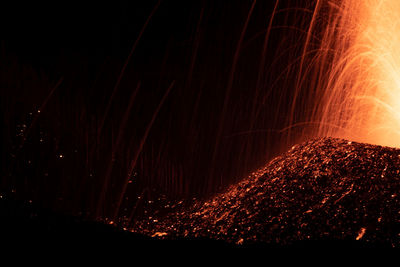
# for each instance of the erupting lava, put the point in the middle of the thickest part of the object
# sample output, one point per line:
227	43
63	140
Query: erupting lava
354	70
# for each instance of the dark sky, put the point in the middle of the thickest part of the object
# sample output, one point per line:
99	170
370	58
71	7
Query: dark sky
204	136
41	32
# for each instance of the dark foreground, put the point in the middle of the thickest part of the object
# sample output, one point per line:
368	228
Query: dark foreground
25	227
322	193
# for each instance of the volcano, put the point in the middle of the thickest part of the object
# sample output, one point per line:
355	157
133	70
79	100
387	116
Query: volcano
323	190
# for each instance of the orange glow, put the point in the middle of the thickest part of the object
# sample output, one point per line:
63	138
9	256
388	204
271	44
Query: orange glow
355	73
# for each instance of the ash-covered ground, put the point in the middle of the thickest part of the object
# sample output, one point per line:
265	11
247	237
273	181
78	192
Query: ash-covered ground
324	190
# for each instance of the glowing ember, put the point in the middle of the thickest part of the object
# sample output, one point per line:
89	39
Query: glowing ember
361	233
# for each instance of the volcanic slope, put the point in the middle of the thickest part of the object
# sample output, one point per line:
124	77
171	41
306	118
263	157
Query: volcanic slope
323	189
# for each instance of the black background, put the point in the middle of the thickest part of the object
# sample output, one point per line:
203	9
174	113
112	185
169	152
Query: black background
195	146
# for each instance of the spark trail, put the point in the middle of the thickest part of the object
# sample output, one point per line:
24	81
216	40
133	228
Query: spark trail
353	78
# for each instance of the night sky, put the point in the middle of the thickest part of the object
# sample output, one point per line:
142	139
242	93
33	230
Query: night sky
196	103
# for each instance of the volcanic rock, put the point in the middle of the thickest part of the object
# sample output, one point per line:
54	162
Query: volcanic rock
325	189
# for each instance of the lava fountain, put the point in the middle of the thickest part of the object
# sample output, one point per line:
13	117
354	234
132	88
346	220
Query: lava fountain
353	70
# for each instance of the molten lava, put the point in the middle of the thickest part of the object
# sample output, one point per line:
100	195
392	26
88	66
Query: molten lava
354	70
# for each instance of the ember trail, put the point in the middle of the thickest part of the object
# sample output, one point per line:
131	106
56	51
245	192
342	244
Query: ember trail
351	68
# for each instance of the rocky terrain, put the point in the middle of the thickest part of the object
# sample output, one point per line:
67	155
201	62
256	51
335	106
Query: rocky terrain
323	191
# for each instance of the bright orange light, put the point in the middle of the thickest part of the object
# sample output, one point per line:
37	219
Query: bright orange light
358	70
